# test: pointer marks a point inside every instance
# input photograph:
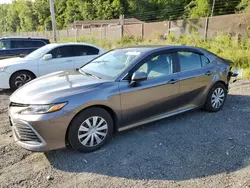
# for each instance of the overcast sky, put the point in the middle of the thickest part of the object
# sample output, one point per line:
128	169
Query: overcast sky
5	1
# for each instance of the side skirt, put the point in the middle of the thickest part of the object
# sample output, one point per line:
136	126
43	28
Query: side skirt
155	118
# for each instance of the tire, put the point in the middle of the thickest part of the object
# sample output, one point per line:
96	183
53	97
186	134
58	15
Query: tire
83	137
216	98
20	78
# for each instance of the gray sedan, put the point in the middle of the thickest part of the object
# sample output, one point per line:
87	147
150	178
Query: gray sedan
121	89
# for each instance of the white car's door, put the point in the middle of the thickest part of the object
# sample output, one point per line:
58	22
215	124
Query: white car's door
84	54
62	59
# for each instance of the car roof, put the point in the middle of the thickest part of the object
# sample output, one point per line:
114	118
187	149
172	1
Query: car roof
162	47
71	43
155	48
22	38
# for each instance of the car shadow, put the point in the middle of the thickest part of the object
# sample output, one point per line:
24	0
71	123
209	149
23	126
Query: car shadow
187	146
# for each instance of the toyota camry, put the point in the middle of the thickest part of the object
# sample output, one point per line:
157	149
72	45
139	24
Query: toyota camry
118	90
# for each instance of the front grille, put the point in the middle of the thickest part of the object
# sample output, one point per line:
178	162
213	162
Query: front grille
25	133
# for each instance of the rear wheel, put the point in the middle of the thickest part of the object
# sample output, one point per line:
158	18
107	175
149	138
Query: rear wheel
20	78
90	129
216	98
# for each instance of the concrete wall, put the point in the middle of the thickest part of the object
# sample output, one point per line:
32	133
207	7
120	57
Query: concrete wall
233	24
189	26
153	30
133	30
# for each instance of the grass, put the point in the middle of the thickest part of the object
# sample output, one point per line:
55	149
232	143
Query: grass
238	51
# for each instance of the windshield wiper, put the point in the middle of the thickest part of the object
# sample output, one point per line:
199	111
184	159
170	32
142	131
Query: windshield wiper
89	74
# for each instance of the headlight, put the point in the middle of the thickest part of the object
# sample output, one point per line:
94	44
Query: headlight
3	68
42	109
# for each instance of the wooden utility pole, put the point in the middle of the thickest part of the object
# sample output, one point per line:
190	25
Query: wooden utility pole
53	20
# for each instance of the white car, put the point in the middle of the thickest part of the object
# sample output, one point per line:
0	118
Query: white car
15	72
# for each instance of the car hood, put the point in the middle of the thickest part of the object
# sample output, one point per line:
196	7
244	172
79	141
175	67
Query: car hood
12	61
50	88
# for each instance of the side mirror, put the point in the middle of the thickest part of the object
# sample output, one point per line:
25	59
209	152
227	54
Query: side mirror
47	57
139	76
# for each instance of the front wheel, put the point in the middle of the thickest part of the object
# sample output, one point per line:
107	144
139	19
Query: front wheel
90	129
216	98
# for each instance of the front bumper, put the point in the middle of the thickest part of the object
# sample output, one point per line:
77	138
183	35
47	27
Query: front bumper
40	132
4	80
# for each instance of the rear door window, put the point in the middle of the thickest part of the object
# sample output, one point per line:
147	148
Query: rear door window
81	50
189	61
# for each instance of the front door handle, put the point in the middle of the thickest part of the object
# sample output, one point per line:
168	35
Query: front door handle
208	73
173	81
69	60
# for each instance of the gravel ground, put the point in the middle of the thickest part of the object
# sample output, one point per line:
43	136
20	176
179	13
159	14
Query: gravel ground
195	149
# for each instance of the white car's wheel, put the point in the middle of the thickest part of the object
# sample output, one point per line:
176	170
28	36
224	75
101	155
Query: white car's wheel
20	78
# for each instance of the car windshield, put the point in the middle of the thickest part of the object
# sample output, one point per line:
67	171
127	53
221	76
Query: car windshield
111	64
40	52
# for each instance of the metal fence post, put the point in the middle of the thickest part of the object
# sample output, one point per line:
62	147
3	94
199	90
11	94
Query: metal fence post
169	26
142	31
122	24
101	32
76	33
206	28
105	32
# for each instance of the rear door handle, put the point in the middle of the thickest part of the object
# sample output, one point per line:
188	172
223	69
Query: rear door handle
69	60
208	73
173	81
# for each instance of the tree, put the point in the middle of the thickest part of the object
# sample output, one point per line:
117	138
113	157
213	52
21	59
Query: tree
198	8
244	6
42	11
73	11
28	18
12	18
88	11
3	19
107	9
60	9
157	9
203	8
28	15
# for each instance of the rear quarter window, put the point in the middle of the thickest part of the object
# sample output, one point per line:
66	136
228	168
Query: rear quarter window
204	60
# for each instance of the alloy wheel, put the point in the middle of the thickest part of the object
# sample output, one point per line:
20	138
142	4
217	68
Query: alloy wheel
22	79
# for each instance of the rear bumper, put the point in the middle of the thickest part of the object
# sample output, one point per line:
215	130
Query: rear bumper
4	80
